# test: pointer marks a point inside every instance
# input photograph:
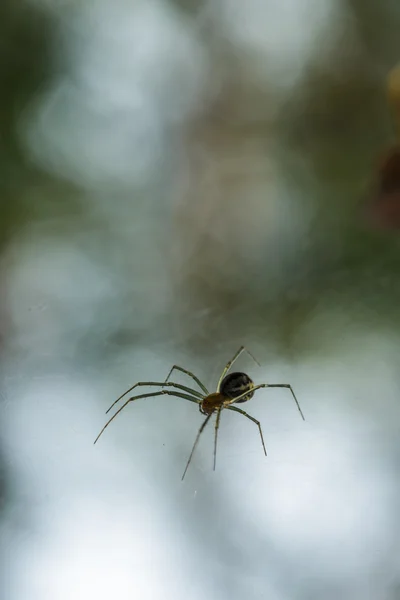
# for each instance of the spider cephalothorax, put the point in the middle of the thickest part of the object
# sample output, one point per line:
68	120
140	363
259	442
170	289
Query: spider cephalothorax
232	388
211	403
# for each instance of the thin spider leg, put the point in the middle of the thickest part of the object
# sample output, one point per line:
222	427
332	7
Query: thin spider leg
219	410
267	385
230	363
287	385
196	379
242	412
195	443
150	383
148	395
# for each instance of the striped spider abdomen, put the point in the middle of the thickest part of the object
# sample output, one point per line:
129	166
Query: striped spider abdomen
236	384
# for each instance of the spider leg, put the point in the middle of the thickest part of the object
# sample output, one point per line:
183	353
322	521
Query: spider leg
196	379
148	395
242	412
266	385
219	410
230	363
287	385
195	443
152	383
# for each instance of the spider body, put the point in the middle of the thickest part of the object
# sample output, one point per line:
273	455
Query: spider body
232	388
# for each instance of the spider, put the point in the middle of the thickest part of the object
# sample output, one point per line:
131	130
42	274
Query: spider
232	388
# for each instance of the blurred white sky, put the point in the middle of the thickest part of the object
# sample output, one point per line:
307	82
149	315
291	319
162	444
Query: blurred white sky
116	517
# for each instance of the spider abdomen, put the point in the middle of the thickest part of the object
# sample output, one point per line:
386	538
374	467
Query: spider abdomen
236	384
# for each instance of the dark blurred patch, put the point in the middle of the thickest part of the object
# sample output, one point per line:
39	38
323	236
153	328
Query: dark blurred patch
25	42
24	53
385	209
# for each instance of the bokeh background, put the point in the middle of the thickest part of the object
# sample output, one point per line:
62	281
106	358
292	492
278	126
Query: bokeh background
179	178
